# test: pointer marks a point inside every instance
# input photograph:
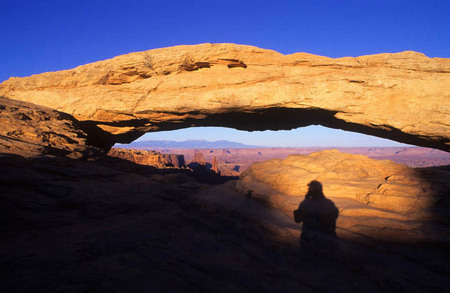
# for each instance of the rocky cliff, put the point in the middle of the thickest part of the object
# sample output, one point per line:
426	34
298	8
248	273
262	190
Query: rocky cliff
401	96
150	158
31	130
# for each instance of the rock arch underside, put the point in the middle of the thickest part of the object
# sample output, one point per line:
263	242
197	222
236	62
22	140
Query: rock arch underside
403	96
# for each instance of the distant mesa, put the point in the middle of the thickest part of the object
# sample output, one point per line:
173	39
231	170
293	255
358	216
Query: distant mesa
208	173
400	96
198	161
203	171
150	158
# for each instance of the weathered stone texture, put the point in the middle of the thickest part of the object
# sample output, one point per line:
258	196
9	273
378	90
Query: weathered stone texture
402	96
378	183
30	130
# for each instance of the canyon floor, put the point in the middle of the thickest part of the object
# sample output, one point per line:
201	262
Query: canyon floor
241	158
110	225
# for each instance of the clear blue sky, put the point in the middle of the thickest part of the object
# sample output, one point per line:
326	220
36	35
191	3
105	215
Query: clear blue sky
39	36
310	136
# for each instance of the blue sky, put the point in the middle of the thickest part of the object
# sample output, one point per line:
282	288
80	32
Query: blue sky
310	136
43	35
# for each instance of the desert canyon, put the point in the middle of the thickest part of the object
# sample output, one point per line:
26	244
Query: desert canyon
75	219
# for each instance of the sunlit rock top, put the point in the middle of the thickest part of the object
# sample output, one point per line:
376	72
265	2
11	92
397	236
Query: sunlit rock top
403	96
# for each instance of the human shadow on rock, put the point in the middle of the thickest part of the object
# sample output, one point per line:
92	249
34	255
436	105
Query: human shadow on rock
318	215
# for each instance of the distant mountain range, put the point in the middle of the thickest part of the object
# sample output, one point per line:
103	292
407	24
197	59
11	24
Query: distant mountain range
188	144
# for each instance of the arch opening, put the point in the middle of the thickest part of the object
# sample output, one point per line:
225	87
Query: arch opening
236	150
275	118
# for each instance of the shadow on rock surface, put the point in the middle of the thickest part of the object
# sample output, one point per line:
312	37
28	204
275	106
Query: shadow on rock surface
318	215
110	225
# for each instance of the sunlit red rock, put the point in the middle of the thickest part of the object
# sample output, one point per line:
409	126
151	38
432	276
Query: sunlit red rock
31	130
377	183
150	158
401	96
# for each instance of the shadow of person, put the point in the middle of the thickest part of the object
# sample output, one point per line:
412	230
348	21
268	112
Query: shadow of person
318	215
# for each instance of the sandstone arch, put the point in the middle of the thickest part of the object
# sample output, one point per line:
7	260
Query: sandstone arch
402	96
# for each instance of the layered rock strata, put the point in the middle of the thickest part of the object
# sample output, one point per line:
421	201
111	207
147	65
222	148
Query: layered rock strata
30	130
381	184
150	158
197	160
402	96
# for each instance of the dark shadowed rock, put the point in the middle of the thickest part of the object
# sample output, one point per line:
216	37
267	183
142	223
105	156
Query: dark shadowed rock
209	173
111	225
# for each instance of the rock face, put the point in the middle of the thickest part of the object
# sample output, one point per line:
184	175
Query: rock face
401	96
209	173
150	158
30	130
198	160
215	166
377	183
111	225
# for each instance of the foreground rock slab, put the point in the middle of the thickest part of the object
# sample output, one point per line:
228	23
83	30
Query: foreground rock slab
376	183
400	96
110	225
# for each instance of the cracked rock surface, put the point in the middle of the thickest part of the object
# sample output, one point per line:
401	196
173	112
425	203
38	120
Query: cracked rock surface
377	183
31	130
